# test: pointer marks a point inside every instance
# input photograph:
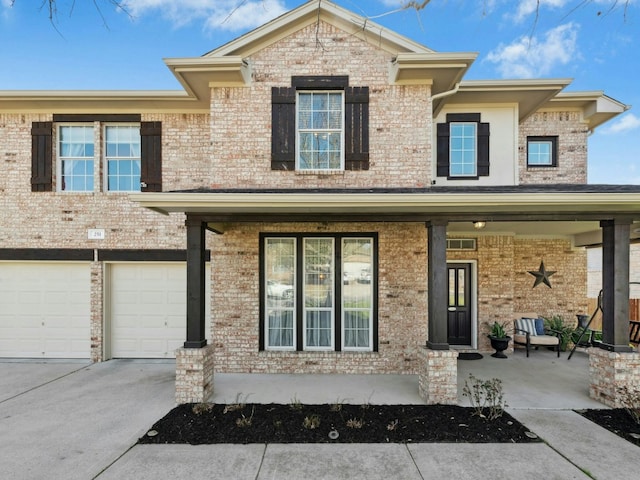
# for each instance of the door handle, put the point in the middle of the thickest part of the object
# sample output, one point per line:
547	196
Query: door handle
452	309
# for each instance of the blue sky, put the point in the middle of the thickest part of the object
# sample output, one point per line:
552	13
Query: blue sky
595	42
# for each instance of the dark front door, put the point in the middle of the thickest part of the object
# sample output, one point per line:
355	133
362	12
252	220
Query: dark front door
459	308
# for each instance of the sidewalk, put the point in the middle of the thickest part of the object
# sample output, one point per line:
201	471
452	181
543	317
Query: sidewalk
73	421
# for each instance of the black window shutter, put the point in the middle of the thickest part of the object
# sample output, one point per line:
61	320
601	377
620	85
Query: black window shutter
42	156
151	156
483	149
356	136
283	128
442	150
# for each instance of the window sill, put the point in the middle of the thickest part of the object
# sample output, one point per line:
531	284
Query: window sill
320	172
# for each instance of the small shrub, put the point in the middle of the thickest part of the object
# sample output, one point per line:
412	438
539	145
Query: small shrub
237	405
311	422
630	401
558	324
244	422
486	397
337	406
203	407
355	422
295	404
391	426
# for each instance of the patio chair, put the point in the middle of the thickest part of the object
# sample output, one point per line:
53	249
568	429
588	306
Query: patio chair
529	330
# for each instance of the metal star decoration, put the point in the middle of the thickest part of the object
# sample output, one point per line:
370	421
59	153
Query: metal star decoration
542	276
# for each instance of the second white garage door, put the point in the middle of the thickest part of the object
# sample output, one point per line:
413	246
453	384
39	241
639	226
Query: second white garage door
147	309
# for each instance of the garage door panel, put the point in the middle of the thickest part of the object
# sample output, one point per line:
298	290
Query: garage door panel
148	309
45	310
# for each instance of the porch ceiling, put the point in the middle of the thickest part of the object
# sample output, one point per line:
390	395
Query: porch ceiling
537	211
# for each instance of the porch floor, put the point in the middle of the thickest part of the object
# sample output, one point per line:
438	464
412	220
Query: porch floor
541	381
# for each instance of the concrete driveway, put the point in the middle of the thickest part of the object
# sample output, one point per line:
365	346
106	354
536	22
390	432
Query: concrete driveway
68	420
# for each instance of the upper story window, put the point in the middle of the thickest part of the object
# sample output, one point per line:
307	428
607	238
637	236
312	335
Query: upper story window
462	147
320	131
122	157
130	150
320	123
542	151
76	157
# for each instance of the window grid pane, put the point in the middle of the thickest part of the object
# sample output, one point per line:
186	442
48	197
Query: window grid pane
462	149
539	153
357	293
75	150
320	130
122	152
280	279
318	293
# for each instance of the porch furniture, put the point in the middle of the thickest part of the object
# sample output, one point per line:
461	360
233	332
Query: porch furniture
527	333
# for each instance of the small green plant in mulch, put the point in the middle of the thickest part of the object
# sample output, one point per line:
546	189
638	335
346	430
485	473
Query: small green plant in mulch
630	400
244	421
311	422
295	403
486	397
203	407
355	423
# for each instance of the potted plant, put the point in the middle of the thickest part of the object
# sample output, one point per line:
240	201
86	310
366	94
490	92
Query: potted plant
499	339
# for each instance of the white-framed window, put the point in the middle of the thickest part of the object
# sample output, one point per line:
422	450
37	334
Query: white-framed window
462	149
122	158
318	292
76	158
357	293
542	151
279	297
320	130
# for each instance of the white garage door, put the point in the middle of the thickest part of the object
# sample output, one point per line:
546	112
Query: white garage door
148	309
45	310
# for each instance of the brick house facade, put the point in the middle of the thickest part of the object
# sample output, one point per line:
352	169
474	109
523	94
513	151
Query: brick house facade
392	204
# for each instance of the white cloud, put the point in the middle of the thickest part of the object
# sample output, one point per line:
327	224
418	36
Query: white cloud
528	7
229	15
627	123
529	57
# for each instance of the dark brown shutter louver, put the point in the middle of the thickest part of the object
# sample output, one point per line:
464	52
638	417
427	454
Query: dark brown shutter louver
356	128
483	149
41	156
442	150
283	128
151	156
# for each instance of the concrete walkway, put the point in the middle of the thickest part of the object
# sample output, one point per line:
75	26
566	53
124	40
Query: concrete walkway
75	421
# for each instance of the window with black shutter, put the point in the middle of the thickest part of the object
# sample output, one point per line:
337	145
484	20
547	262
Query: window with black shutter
315	138
462	147
131	162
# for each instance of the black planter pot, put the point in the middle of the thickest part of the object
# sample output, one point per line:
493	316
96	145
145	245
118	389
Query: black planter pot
499	345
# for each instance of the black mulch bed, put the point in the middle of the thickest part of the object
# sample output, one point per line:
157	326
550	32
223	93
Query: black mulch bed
274	423
616	420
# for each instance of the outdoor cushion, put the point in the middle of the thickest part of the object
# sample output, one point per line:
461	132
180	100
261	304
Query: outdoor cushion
526	325
540	326
536	339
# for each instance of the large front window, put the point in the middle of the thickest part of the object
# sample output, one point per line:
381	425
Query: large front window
318	292
320	130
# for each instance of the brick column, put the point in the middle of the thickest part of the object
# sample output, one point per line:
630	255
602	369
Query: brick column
194	374
97	305
609	371
438	376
